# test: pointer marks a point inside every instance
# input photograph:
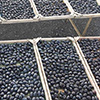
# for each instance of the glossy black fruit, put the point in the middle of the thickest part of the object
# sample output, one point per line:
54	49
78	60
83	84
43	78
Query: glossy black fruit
85	6
16	9
51	7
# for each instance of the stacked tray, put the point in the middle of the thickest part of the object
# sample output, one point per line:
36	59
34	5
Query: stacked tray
12	11
65	73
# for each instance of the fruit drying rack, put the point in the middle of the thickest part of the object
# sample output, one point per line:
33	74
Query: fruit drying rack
66	11
40	63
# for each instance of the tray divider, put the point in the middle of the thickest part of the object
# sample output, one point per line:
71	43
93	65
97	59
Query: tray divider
98	1
34	7
69	6
41	71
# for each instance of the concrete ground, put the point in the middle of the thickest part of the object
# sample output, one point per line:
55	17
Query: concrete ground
57	28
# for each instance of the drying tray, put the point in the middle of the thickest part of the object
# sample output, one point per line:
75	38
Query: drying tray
72	15
91	79
79	15
34	19
83	56
39	69
39	17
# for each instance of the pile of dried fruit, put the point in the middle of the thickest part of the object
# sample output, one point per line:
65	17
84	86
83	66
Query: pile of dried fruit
51	7
85	6
16	9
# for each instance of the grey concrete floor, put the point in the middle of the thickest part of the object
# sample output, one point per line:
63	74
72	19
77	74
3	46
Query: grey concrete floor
57	28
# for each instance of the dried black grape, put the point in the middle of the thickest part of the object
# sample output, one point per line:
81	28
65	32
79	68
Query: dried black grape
51	7
16	9
85	6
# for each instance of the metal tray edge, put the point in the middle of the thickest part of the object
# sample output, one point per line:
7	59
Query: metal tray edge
19	21
98	1
39	68
69	6
15	41
55	38
34	7
90	37
56	17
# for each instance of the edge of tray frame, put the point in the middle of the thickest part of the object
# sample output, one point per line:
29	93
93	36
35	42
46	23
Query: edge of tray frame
69	6
34	7
87	16
13	21
94	83
98	1
14	41
1	19
39	68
